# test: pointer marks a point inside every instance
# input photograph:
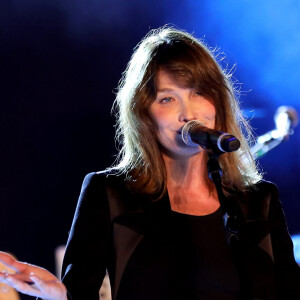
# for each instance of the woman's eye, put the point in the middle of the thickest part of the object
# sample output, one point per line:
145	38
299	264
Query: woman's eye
166	100
199	93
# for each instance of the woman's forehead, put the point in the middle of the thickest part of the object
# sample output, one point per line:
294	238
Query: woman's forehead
181	78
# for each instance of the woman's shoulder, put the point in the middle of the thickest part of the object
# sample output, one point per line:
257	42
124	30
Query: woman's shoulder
97	185
259	189
104	177
255	201
262	191
265	187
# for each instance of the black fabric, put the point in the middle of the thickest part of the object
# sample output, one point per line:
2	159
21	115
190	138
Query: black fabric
112	225
181	257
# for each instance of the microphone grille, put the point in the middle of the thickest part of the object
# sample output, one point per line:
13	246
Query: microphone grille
290	112
185	133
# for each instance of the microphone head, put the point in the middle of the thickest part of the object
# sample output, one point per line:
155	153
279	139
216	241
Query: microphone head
185	133
286	118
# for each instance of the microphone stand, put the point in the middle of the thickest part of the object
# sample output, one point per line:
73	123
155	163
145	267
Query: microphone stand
232	222
232	216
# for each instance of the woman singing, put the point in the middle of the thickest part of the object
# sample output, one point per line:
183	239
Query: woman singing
155	221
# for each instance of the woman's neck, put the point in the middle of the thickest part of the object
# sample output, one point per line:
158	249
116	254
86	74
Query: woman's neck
187	173
188	189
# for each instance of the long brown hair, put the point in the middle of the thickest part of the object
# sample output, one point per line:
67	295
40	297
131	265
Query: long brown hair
192	64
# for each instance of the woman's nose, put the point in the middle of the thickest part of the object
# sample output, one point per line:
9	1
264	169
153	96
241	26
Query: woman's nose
187	113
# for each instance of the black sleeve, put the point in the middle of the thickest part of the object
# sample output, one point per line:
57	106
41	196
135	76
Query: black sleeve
89	244
286	268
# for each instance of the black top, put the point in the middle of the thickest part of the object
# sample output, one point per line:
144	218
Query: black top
113	229
189	256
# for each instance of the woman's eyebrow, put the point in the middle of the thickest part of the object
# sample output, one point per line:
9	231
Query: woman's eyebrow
165	90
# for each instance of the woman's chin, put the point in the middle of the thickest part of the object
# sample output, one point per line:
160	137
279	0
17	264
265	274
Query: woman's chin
182	152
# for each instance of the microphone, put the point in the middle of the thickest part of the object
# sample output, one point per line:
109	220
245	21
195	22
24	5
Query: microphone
286	118
194	133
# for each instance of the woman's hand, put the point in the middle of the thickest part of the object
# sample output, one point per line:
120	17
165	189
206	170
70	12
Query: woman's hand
32	280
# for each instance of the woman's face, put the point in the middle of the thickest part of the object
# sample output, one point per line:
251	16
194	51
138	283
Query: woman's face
173	107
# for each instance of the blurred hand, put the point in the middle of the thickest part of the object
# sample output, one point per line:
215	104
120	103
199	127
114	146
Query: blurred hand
32	280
